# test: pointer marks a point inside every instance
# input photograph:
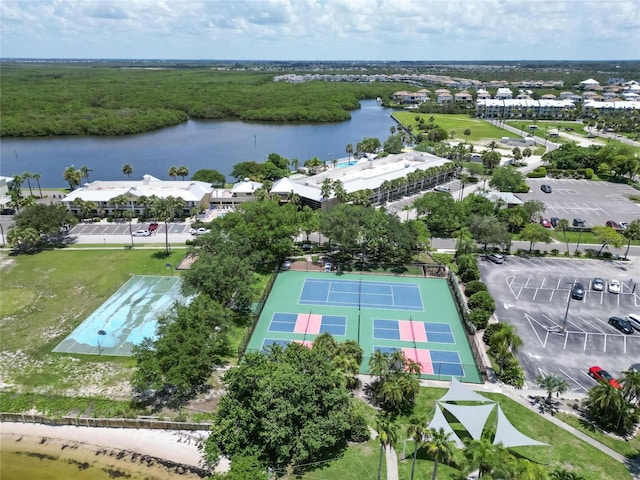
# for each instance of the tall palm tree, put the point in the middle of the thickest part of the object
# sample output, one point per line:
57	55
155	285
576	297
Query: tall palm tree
387	436
607	404
182	171
379	364
349	150
440	447
37	177
173	172
484	456
325	188
72	176
27	176
166	209
508	334
127	169
552	383
564	224
84	171
419	431
339	191
119	201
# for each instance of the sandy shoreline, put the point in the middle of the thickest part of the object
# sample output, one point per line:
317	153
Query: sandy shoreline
130	446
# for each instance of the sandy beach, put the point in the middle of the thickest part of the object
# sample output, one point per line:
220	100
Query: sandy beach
156	453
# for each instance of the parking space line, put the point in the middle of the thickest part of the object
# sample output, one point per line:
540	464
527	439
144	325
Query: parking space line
574	380
593	325
527	282
566	338
624	344
510	288
605	343
529	319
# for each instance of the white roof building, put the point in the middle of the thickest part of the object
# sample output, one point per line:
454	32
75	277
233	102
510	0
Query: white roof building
194	193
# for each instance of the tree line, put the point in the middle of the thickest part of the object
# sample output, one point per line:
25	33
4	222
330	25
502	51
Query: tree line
65	100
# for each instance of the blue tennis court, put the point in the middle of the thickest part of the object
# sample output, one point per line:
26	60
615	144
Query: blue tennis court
349	293
308	323
413	331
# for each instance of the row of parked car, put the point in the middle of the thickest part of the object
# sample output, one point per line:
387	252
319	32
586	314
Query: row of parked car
146	232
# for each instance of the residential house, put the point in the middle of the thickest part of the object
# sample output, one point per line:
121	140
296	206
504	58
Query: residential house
503	94
463	97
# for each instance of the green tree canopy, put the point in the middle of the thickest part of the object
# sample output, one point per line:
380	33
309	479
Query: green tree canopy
507	179
214	177
285	406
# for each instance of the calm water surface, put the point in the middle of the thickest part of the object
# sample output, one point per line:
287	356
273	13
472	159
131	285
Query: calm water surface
197	144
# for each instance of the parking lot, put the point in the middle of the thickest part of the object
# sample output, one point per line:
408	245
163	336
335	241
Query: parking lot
595	202
533	294
119	232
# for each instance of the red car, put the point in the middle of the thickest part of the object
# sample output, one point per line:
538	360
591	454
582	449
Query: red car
612	224
153	227
545	223
601	375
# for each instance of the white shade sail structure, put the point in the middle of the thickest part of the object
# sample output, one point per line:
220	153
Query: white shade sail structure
509	436
458	392
472	417
439	422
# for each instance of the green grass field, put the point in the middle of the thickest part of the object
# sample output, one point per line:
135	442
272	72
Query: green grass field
480	129
45	296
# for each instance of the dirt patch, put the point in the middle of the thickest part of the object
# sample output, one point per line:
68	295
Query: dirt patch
7	263
186	262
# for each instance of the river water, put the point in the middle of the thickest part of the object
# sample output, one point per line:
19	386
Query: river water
199	145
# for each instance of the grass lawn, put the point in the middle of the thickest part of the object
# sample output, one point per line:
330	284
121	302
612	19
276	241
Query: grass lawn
45	296
629	449
568	451
587	238
480	129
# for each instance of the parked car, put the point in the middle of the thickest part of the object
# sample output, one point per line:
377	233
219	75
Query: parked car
624	225
634	320
601	375
442	188
577	291
496	258
200	231
613	224
141	233
286	265
621	324
635	367
545	223
153	226
555	221
578	222
8	211
545	188
568	129
328	266
614	286
597	284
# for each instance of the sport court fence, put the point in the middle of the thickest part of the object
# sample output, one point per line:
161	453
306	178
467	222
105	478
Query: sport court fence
434	270
257	312
148	423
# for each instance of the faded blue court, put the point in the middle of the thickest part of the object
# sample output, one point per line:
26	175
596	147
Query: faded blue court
126	318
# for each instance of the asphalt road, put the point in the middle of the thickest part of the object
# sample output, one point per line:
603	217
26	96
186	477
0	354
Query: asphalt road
533	294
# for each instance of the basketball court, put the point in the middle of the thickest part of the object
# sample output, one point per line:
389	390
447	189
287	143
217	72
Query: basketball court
126	318
413	314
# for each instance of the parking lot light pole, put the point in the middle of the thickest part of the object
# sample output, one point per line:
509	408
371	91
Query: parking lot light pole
566	312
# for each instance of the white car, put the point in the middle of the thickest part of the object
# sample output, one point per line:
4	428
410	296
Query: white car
614	286
141	233
442	188
200	231
328	266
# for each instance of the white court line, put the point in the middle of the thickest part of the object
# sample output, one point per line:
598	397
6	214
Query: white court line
574	380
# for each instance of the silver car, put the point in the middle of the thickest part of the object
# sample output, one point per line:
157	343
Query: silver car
598	284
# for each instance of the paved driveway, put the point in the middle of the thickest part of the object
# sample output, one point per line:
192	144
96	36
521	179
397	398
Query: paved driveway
533	295
595	202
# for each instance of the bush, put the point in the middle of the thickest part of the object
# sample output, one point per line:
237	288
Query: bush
359	431
474	286
490	331
469	275
588	173
555	252
513	374
482	300
479	318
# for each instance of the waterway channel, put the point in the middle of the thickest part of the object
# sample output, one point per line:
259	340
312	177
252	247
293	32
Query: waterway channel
198	145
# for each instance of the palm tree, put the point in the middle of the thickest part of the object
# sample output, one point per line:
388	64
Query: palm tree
118	201
507	334
182	171
552	383
325	188
127	170
631	386
562	474
84	171
484	456
607	404
129	215
379	364
339	191
173	172
296	163
26	176
293	198
37	177
72	176
166	210
440	447
349	150
466	134
418	430
387	436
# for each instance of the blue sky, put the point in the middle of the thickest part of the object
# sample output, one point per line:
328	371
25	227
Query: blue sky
322	29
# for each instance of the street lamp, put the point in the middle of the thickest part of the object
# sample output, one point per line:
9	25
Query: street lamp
566	312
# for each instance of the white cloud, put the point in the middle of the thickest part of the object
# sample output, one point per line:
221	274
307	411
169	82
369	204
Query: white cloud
322	29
